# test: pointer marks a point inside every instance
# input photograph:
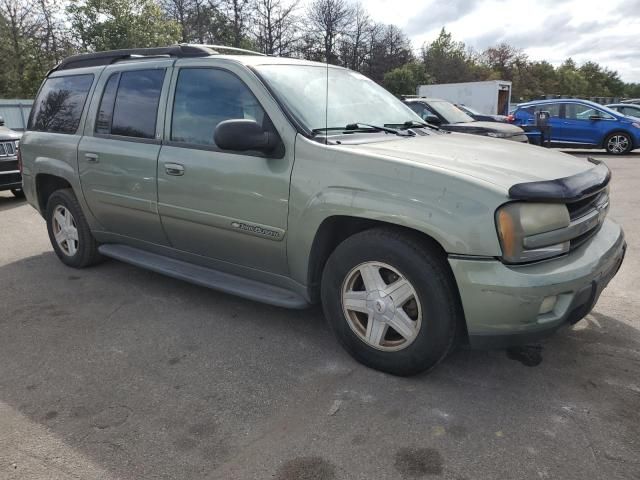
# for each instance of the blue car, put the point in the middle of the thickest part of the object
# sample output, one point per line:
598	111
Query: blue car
583	124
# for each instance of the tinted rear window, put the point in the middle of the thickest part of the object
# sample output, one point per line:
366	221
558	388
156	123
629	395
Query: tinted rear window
134	111
59	105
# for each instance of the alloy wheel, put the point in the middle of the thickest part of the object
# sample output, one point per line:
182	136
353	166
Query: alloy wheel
65	230
618	144
381	306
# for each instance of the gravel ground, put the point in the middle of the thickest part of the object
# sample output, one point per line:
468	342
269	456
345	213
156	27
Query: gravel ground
117	373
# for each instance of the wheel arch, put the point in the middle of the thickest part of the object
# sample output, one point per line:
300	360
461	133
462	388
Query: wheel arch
46	185
613	131
335	229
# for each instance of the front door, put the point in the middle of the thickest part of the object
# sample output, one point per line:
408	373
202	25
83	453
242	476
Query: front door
578	125
117	156
229	206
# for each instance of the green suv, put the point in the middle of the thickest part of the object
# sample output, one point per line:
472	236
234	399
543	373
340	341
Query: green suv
292	183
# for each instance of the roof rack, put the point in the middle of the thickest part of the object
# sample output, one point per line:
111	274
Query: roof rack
231	49
112	56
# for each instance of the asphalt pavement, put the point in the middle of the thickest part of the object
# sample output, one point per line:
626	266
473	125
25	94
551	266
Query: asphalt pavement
115	372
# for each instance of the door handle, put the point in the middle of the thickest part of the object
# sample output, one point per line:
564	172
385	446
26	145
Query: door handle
92	157
174	169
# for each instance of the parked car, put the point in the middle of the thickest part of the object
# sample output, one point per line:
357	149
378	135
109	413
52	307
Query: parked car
583	124
10	178
449	117
231	172
482	117
628	109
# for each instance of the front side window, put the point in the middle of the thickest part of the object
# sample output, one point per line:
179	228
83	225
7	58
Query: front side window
205	97
129	105
59	105
576	111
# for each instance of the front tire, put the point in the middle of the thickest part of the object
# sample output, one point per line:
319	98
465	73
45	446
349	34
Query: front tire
618	143
391	301
69	231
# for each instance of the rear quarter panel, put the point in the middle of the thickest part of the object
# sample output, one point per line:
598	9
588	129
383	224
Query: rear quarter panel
56	153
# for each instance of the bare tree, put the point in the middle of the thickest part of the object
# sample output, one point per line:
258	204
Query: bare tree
276	26
358	38
330	19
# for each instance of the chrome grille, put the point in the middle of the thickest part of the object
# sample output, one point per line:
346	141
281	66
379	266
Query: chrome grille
586	205
7	149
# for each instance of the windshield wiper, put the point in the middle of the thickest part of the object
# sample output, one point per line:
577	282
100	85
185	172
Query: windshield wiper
363	127
412	124
374	128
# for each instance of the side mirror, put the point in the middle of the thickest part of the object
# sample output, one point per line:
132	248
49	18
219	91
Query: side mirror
1	121
432	119
595	117
243	135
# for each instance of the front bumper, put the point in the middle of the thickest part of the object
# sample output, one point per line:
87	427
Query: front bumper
9	178
502	303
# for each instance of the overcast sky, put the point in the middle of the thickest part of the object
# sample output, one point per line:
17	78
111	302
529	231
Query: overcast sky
605	31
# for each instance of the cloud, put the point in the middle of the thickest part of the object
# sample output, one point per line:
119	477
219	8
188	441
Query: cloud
556	30
437	14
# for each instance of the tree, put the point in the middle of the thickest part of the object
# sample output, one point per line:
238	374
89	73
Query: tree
115	24
238	13
406	79
276	26
33	37
329	19
354	43
447	60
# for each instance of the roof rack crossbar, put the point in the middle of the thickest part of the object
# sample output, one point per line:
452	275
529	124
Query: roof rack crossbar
111	56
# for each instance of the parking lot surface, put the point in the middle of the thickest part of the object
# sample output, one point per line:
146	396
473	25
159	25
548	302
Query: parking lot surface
115	372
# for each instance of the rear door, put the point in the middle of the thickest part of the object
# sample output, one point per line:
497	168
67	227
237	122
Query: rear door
118	155
223	205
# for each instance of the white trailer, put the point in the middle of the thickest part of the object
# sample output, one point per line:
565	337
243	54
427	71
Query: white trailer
492	97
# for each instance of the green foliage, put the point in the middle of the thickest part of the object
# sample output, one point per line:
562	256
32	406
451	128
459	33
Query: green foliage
115	24
405	80
447	61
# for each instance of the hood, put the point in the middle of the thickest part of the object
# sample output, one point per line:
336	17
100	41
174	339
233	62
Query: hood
478	127
489	159
8	134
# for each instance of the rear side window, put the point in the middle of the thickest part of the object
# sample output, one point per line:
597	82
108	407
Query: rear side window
59	105
205	97
129	104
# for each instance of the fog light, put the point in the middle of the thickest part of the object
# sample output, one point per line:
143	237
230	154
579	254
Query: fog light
548	304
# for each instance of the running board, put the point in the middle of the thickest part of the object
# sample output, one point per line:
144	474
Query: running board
205	277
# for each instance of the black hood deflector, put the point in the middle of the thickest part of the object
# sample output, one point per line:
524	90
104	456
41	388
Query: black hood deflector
567	189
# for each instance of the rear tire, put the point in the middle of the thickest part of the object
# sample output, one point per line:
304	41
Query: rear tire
406	324
618	143
69	231
17	192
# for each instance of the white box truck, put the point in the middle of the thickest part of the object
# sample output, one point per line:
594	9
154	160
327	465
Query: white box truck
492	97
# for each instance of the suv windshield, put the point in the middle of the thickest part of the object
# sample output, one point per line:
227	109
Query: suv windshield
352	98
450	112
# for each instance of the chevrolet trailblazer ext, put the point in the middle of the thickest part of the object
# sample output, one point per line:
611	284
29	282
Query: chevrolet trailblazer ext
233	172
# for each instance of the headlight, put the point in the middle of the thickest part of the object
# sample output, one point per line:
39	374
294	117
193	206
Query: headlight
497	134
516	221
